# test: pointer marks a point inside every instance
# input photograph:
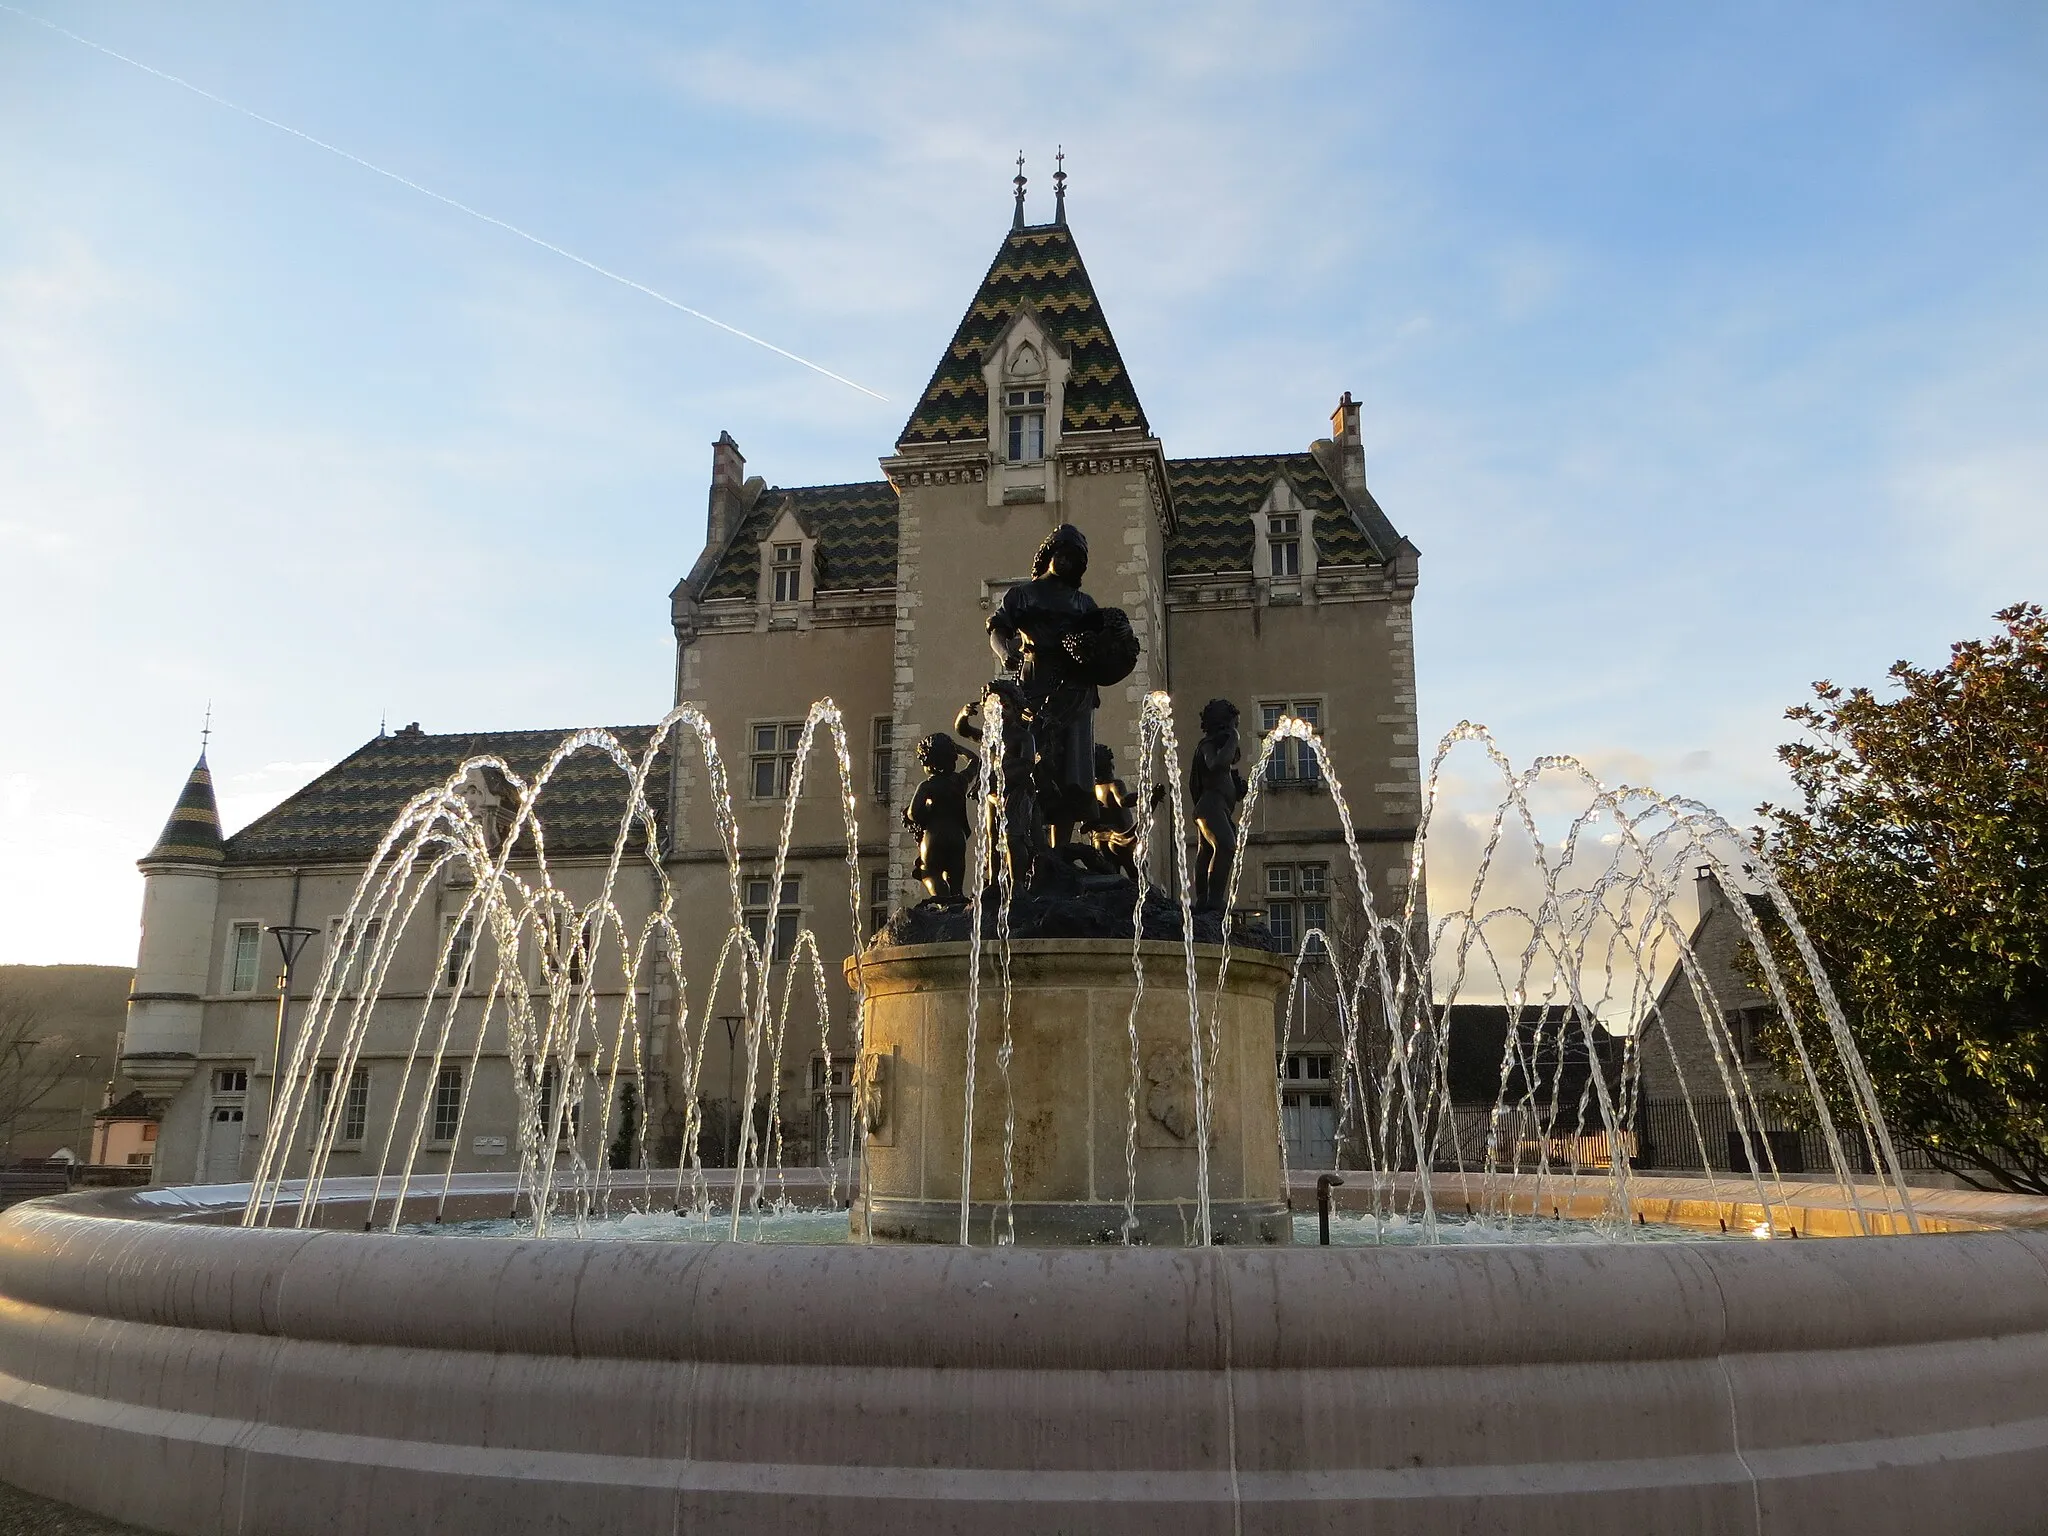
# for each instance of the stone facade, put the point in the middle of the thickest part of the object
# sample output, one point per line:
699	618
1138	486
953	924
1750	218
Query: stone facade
1272	579
1677	1056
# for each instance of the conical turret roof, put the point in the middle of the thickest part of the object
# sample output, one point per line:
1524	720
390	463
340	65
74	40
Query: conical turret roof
1038	265
192	835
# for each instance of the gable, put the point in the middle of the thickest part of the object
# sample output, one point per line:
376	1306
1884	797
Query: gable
1215	500
855	529
1039	266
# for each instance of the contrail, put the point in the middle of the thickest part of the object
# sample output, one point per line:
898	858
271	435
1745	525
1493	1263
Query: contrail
474	213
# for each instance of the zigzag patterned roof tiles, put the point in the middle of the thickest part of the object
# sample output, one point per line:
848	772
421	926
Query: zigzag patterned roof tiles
855	526
192	835
1039	265
1214	500
343	815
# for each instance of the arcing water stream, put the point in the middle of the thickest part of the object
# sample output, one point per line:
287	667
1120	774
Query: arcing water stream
1574	960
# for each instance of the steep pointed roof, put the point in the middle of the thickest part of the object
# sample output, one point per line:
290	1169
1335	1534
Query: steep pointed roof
1041	266
192	835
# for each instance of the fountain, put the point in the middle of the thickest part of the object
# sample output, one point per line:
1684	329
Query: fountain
1061	1287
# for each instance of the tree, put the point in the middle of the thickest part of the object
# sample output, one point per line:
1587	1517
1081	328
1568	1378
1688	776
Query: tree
31	1066
1919	865
623	1150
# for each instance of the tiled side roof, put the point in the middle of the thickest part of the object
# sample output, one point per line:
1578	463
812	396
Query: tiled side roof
1042	266
192	835
342	815
1215	500
855	526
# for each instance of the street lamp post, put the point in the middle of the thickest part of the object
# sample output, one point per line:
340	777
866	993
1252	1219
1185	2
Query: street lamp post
85	1109
732	1024
291	940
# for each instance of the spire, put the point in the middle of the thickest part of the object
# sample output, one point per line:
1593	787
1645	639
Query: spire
192	835
1059	187
1018	221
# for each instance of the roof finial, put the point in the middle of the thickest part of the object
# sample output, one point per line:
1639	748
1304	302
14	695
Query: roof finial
1059	187
1018	221
206	730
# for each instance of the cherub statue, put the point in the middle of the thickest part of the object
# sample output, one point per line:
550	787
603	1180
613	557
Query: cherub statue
938	813
1115	828
1217	789
1016	822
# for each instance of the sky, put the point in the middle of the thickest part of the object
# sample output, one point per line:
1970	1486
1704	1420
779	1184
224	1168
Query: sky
1700	349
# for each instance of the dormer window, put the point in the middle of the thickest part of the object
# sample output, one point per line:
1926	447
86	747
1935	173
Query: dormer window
1024	412
1283	538
788	565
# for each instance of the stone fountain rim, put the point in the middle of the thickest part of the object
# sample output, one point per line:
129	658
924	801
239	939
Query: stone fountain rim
202	1379
161	1256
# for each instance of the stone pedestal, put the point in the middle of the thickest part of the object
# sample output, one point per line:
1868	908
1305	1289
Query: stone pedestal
1068	1094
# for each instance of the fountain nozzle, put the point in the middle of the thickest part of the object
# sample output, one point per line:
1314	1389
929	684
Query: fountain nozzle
1323	1204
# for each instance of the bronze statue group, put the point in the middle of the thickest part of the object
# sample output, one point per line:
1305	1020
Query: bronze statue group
1063	816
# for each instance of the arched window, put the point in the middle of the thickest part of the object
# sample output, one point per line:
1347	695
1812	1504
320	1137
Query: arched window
1024	407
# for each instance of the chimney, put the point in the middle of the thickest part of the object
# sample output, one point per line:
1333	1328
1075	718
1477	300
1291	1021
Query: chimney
1350	448
728	475
1707	888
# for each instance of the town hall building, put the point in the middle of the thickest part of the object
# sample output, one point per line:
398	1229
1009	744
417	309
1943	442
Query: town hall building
1272	579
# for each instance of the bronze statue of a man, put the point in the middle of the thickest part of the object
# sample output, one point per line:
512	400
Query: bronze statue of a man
1060	647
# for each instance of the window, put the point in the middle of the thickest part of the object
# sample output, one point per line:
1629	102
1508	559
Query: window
1745	1029
1280	912
878	902
882	757
1308	1117
231	1080
571	1122
1297	899
355	1104
246	956
461	940
575	955
1283	539
832	1106
447	1103
789	573
351	970
1293	764
1306	1067
788	912
1025	409
774	760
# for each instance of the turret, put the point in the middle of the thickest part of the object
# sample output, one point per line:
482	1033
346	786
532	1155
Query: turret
181	884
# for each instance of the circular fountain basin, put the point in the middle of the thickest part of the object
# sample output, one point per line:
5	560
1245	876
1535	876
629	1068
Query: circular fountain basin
163	1366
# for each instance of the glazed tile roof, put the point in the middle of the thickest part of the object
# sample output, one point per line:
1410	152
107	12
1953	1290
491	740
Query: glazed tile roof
342	815
855	526
1214	500
192	835
1039	265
